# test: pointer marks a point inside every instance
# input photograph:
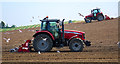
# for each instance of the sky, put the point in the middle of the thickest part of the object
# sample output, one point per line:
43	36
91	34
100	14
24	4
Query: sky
20	12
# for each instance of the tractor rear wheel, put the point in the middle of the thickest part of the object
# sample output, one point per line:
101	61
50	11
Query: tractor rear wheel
42	43
76	45
100	17
88	20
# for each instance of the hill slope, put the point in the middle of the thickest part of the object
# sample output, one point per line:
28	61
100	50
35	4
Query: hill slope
103	35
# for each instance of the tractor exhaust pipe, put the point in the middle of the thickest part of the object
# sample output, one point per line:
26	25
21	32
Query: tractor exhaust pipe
63	40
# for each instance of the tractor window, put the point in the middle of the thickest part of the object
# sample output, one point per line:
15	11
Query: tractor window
95	11
43	26
99	11
53	25
53	28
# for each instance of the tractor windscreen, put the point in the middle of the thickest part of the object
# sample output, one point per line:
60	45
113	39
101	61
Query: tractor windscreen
96	11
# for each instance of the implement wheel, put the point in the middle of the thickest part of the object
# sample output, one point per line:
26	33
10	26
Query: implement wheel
88	20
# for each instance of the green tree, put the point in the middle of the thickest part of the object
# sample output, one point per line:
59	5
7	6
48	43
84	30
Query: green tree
3	24
13	26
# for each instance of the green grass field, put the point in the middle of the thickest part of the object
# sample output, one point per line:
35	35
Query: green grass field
30	26
21	27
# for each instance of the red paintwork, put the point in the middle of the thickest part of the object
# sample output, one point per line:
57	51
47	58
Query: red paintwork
91	15
24	47
68	34
107	17
46	32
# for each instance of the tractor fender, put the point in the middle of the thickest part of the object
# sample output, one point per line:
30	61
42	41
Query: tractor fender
73	37
77	37
99	14
44	32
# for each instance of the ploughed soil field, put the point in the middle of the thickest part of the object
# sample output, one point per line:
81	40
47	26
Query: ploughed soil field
104	48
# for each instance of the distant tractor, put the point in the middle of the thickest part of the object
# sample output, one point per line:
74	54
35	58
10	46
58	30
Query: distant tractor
52	34
96	14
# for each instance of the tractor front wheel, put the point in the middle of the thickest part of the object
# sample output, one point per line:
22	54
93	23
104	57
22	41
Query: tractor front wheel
76	45
42	43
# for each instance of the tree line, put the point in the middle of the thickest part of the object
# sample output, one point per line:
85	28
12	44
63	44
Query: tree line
3	25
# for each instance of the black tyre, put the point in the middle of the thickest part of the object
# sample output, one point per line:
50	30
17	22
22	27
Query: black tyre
88	20
76	45
42	43
100	17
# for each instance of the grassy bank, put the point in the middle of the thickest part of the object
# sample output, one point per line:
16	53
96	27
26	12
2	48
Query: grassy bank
30	26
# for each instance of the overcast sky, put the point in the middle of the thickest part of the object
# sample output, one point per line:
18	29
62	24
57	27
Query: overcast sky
20	12
59	0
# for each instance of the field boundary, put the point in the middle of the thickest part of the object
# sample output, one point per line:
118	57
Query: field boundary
30	26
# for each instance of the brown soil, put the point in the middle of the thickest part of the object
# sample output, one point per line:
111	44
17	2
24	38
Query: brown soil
103	35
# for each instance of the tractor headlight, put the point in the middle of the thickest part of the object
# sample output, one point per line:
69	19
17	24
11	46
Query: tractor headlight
80	36
84	36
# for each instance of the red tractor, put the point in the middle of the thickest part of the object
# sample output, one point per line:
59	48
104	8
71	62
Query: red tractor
96	14
52	34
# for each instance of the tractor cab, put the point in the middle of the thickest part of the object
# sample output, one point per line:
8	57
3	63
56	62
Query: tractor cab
51	25
55	27
94	11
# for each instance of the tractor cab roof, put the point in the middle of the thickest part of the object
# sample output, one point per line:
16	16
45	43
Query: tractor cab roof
97	9
50	20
